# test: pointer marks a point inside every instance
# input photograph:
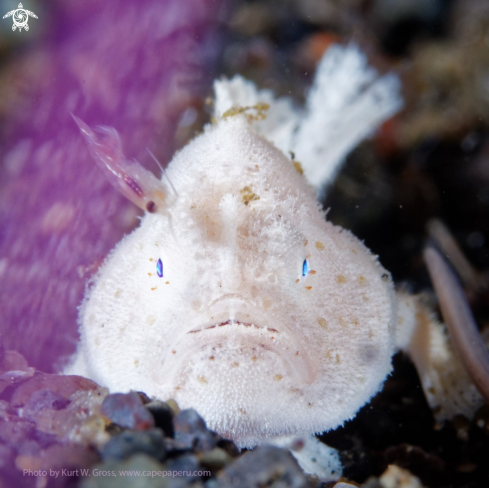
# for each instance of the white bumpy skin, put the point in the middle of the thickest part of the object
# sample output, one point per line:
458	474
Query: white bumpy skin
233	328
268	320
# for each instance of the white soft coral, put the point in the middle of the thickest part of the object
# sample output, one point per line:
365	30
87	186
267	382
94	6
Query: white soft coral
346	103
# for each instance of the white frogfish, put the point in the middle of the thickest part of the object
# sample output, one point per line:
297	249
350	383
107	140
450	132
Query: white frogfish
235	296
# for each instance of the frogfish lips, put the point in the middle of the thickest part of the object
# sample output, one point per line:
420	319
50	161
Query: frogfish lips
232	327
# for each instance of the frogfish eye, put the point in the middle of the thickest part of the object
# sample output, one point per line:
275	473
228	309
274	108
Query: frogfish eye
159	268
305	268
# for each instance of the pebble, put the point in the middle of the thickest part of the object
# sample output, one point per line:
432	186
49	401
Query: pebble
191	430
174	447
396	477
127	410
128	443
216	459
62	385
264	466
188	464
107	475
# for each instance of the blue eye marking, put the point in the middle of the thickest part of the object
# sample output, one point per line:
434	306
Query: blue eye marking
159	268
305	268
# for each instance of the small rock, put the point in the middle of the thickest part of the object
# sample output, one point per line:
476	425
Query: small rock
124	445
173	447
372	482
395	477
163	416
265	466
107	475
79	422
229	446
63	385
191	430
430	468
188	464
144	398
127	410
216	459
173	405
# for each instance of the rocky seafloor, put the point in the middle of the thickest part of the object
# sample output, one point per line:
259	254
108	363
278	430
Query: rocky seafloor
63	431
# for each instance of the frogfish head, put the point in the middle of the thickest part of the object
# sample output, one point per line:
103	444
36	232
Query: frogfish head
241	300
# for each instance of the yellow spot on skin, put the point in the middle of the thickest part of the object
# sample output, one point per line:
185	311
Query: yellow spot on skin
202	379
354	251
365	297
136	363
177	388
322	322
340	279
297	281
150	320
118	293
167	282
328	354
342	322
151	259
149	274
305	243
248	195
235	364
242	411
254	358
296	353
152	289
212	358
277	377
309	404
308	287
312	271
320	245
361	280
338	360
260	108
298	167
355	321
